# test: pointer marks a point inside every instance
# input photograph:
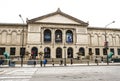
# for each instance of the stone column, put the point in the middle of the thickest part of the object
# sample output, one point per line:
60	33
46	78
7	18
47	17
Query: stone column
53	37
53	43
64	43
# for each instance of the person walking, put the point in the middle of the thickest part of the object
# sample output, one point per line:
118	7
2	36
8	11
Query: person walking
45	62
61	62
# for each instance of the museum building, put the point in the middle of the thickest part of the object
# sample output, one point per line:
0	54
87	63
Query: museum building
57	35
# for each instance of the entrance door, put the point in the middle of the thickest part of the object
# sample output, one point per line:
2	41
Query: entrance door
34	52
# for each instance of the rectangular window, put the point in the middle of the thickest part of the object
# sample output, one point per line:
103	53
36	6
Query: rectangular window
12	51
22	51
2	50
118	51
104	51
90	51
97	51
112	50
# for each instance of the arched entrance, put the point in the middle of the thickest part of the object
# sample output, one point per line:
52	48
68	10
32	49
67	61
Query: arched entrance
47	52
70	52
59	52
82	51
34	52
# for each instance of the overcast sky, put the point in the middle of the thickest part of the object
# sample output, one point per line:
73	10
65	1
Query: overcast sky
98	12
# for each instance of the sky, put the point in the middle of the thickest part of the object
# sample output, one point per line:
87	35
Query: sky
98	13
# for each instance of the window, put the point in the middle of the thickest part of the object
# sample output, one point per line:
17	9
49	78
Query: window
104	51
69	36
12	51
47	35
118	51
58	36
2	50
112	50
97	51
90	51
22	51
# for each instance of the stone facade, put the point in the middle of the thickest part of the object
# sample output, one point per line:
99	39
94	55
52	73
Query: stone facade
57	35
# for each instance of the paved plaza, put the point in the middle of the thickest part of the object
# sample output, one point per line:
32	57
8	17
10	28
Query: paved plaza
68	73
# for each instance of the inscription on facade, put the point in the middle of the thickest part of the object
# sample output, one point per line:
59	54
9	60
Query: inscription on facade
81	30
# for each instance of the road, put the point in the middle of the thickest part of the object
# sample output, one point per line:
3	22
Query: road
68	73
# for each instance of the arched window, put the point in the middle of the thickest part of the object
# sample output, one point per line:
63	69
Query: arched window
58	52
34	52
47	35
14	37
4	37
47	52
69	36
82	51
70	52
58	36
117	40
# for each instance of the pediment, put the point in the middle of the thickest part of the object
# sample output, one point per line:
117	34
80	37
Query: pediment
58	17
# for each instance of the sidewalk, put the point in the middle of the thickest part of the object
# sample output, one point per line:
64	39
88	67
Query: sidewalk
57	65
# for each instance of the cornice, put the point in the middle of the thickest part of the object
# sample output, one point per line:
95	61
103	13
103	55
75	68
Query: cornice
12	24
98	28
47	23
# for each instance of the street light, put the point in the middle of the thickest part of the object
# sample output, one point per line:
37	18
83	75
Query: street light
106	42
22	50
64	55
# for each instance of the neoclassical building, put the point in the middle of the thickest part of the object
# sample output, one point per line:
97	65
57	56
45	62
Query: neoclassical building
57	35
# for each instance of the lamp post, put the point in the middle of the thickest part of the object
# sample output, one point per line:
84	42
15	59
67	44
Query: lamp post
22	49
64	55
106	42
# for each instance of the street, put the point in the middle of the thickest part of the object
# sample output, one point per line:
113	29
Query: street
68	73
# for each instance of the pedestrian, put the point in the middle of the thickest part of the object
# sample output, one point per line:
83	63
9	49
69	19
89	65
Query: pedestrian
34	63
1	61
96	61
61	62
41	63
45	62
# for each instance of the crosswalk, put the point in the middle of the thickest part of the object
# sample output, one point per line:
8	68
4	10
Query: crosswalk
17	74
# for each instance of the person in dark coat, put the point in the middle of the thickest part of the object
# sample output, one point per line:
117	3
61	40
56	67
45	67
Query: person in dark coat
1	61
61	62
45	62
